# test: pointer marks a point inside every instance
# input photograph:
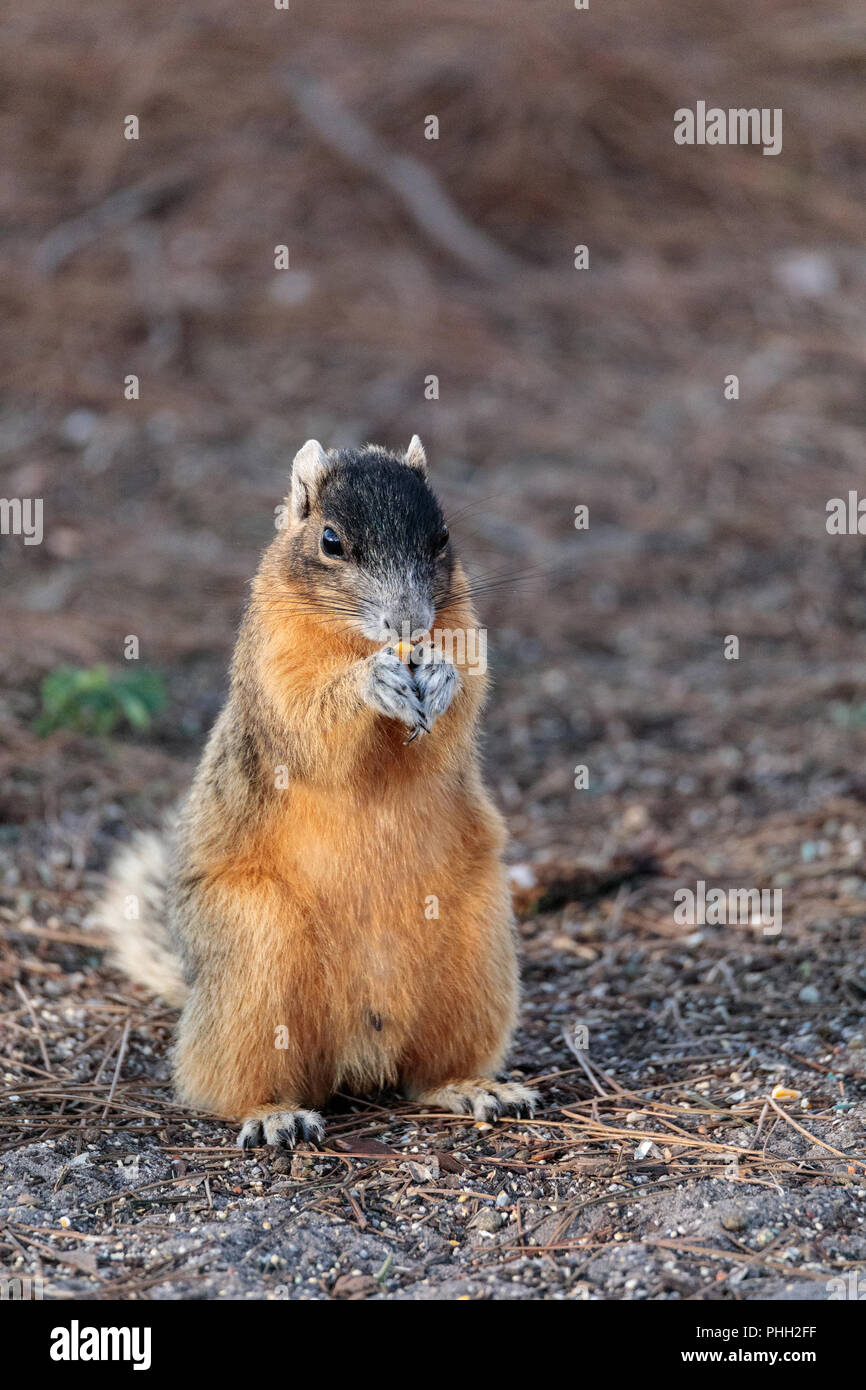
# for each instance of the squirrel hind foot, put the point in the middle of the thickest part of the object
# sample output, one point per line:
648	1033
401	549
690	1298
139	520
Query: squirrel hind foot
281	1127
484	1099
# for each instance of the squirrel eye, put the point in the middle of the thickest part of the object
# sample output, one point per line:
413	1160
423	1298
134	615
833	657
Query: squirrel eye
441	539
331	543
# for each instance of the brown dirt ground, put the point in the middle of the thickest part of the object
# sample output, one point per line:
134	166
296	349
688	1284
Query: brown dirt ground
658	1167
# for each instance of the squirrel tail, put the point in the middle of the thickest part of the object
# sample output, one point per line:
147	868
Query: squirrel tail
133	913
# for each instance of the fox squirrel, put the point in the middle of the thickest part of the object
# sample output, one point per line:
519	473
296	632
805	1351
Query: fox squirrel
329	905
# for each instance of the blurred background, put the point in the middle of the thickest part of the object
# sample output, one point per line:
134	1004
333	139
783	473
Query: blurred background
453	258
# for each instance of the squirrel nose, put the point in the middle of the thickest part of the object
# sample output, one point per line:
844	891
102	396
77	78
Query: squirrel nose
410	622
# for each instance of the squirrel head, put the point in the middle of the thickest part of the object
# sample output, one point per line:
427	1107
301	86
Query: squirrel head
367	541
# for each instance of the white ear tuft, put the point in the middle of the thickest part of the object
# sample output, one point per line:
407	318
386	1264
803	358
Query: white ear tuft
310	465
415	455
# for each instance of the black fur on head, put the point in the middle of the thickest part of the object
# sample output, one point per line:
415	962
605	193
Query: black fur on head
388	565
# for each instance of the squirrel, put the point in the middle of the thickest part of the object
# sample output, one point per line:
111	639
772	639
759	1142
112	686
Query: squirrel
329	905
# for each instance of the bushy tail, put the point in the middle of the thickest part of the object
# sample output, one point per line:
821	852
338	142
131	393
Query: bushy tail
133	913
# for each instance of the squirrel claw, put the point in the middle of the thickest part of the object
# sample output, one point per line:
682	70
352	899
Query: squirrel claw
282	1128
422	727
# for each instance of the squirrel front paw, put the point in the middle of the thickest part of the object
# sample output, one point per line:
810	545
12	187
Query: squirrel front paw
388	686
437	681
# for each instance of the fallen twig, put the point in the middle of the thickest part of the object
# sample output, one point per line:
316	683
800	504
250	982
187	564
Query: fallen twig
413	185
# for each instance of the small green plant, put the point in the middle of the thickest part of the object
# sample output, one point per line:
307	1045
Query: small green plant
95	701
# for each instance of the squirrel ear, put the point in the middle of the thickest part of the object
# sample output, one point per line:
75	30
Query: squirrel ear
415	455
308	469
